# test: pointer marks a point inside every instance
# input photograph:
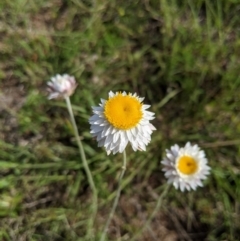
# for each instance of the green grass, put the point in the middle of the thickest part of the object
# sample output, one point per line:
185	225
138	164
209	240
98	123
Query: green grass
182	56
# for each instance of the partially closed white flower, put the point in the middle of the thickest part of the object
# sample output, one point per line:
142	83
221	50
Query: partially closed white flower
120	120
61	86
185	167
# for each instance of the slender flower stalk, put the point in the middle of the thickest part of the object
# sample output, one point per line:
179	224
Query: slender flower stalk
156	209
62	87
116	198
86	167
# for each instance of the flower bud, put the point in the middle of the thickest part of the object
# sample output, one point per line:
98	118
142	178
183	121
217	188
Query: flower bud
61	86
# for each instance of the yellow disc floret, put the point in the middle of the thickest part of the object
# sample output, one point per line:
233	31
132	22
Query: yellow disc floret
123	111
187	165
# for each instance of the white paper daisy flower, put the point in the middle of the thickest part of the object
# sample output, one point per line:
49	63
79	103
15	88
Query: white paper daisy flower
61	86
185	167
122	119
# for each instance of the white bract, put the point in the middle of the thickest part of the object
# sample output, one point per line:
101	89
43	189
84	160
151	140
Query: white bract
185	167
61	86
120	120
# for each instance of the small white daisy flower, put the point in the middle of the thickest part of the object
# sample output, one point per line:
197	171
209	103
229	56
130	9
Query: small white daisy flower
185	167
61	86
122	119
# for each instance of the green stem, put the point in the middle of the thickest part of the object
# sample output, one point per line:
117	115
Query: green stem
86	168
156	209
116	198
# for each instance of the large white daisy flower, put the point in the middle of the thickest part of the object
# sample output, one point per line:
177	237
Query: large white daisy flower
61	86
122	119
185	167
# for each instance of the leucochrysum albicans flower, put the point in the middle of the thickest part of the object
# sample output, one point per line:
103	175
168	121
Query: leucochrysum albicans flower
61	86
185	167
120	120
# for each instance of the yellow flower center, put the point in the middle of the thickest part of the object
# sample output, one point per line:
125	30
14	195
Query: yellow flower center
187	165
123	112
